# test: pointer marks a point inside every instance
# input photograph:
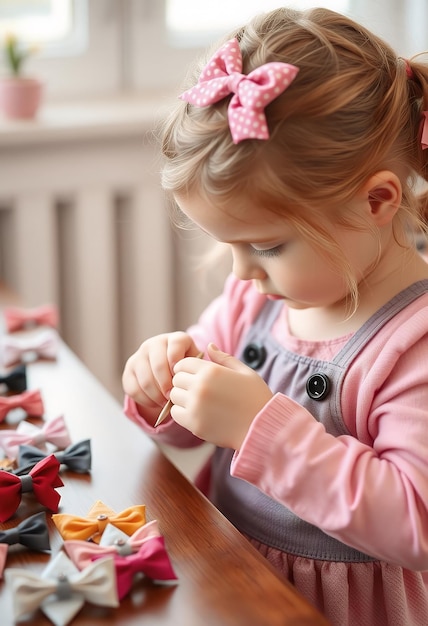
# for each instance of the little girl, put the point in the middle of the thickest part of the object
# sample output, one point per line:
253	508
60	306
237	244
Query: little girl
299	144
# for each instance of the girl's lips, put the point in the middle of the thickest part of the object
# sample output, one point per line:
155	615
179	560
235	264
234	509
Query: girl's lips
271	296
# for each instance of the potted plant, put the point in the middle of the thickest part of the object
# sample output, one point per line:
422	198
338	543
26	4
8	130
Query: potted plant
20	95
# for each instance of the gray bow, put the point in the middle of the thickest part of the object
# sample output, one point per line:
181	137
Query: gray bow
31	533
77	457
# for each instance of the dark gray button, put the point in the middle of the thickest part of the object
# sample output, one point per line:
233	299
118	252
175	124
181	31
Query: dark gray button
254	355
318	386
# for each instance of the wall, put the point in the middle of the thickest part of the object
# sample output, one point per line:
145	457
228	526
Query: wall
84	224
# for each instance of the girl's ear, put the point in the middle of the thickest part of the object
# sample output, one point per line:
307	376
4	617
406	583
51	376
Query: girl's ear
383	192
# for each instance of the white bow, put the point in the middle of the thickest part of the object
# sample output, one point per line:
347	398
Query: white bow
61	590
54	432
44	344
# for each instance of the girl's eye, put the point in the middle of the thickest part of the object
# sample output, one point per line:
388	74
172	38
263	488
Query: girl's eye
421	243
270	252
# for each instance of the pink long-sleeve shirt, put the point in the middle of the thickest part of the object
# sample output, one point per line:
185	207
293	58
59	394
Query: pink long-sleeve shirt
368	489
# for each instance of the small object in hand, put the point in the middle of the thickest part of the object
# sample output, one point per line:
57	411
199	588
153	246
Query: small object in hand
167	408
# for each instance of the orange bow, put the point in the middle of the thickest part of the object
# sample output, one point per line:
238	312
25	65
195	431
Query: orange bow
92	527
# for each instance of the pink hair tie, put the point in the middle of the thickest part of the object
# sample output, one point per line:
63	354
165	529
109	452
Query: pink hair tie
424	115
409	70
223	76
424	131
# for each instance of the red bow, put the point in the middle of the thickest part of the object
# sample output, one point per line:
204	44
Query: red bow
17	318
152	560
41	480
30	401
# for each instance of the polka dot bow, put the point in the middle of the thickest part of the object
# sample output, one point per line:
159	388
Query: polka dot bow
252	93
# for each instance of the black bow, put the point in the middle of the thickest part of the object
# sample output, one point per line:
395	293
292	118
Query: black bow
16	380
31	533
77	457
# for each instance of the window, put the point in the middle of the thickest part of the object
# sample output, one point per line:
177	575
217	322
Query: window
101	47
58	27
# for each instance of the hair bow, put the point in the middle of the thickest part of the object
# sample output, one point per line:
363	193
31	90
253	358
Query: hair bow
77	457
17	318
31	533
152	560
41	481
54	432
43	345
92	527
62	590
30	401
16	380
113	541
223	76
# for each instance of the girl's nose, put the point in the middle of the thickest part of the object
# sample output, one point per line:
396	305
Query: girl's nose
246	266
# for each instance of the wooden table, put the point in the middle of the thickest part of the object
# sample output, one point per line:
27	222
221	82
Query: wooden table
223	581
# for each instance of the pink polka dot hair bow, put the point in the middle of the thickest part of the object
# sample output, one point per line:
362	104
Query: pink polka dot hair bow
223	76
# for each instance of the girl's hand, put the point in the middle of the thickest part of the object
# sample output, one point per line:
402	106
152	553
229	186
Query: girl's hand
217	400
147	376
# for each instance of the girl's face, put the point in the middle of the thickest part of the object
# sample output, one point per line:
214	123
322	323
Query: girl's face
280	261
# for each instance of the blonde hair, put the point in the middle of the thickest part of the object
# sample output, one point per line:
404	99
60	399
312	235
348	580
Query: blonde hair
354	109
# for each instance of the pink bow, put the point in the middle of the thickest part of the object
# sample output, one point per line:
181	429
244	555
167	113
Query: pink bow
252	93
30	401
152	560
82	553
44	345
54	432
17	318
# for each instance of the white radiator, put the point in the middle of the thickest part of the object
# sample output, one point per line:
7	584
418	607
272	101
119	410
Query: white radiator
83	224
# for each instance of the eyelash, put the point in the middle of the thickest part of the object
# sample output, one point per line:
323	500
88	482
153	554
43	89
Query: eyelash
270	253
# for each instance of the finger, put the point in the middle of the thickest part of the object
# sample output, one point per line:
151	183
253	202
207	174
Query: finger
226	360
180	345
182	380
161	374
179	397
134	391
192	365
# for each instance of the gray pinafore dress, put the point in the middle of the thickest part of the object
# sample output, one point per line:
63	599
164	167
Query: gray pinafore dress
316	385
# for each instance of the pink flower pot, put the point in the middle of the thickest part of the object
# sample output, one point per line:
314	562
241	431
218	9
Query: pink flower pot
20	97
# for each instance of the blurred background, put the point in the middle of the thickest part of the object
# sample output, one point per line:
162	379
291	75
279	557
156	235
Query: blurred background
83	221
